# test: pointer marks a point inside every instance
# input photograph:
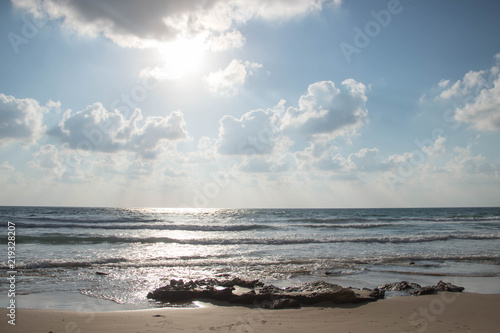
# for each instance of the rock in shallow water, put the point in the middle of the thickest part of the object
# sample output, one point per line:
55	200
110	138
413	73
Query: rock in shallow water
416	289
446	286
272	297
377	293
261	295
400	286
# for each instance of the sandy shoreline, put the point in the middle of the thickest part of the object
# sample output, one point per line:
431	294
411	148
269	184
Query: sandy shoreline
444	312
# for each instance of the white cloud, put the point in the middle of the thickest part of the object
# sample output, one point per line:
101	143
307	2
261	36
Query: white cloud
437	149
229	81
131	23
253	134
444	83
369	160
97	129
181	30
331	163
63	165
475	97
472	81
256	164
326	109
484	112
465	162
48	158
21	119
226	41
324	112
6	166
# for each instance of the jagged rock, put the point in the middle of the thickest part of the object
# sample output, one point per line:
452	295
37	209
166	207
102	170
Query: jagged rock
446	286
308	293
400	286
416	289
241	283
174	282
377	293
426	291
275	298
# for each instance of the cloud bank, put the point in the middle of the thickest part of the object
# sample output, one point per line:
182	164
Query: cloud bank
477	96
140	24
97	129
22	119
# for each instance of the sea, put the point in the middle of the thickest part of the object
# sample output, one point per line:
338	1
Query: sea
107	259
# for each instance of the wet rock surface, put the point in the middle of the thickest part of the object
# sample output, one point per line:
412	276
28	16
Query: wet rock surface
272	297
416	289
267	296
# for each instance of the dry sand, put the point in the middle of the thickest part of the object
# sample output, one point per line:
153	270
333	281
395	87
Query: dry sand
445	312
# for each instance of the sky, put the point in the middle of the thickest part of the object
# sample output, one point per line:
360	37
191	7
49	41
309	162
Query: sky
250	104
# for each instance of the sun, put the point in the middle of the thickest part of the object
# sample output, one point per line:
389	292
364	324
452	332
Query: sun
182	57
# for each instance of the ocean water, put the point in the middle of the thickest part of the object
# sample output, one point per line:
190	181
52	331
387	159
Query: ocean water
60	249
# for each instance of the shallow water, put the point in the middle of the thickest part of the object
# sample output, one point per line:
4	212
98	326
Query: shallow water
59	250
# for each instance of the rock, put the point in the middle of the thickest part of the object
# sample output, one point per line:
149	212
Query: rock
377	293
446	286
400	286
308	293
416	289
241	283
222	294
174	282
281	303
426	291
101	273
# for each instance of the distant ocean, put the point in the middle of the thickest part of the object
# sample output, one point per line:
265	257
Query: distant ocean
60	249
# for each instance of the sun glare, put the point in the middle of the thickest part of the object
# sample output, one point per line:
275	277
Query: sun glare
182	56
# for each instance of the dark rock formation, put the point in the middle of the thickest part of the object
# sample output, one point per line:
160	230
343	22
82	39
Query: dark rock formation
446	286
241	283
426	291
272	297
400	286
281	303
377	293
265	295
416	289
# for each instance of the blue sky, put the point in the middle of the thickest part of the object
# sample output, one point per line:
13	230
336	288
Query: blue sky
302	103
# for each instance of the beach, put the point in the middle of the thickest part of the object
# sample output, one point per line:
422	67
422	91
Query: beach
60	250
91	269
443	312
